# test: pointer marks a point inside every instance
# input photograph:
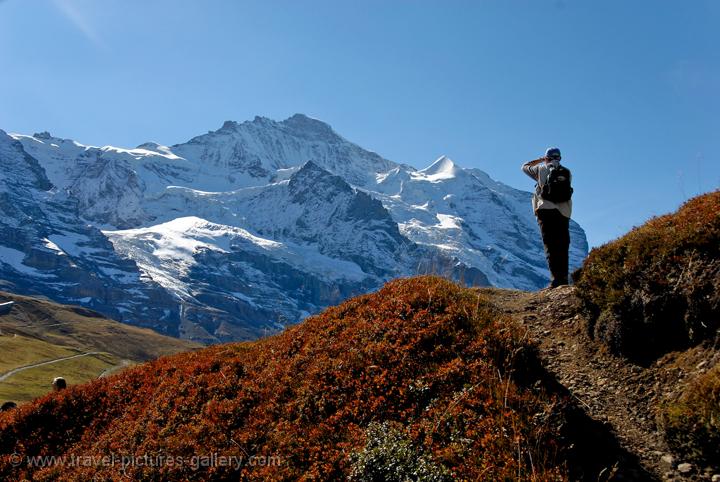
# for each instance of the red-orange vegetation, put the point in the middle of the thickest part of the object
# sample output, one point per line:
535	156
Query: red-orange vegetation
423	353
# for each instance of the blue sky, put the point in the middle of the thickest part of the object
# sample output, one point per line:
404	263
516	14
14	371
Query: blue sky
630	91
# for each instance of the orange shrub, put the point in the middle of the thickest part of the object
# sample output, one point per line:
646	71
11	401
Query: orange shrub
422	354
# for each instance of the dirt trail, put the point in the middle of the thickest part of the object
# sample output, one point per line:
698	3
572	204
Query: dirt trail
610	390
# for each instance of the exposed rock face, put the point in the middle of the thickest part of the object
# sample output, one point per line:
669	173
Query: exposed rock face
243	230
36	219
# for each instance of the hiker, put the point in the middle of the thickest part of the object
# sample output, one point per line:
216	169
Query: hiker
59	384
552	206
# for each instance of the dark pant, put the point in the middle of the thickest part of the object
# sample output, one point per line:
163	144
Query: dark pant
555	229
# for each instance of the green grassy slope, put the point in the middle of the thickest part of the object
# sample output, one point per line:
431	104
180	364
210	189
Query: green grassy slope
41	332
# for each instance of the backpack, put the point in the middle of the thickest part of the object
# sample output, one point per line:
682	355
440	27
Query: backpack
557	187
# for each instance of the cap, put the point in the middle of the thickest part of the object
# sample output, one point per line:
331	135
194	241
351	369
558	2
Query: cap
553	153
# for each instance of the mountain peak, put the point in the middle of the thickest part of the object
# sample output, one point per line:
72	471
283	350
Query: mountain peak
300	117
150	146
228	124
42	135
302	124
312	170
262	120
312	179
442	168
310	166
441	164
232	126
298	124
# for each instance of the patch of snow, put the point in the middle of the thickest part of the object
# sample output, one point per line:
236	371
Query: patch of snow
284	174
448	221
70	243
423	207
14	259
50	245
139	153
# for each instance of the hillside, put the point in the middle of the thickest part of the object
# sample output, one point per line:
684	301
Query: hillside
40	339
423	377
656	289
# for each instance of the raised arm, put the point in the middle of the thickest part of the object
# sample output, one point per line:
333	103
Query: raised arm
530	168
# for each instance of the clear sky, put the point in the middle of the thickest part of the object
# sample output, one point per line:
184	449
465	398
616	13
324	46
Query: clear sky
629	90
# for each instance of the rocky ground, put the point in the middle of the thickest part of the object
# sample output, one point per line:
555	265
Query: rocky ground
613	392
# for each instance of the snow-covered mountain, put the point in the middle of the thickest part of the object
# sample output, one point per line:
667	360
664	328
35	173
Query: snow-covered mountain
36	219
245	229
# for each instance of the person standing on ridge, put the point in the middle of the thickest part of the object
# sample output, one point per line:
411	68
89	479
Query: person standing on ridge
552	205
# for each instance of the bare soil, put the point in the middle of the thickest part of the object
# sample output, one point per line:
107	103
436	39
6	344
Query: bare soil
611	391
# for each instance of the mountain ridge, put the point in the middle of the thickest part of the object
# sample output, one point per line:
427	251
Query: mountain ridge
296	182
